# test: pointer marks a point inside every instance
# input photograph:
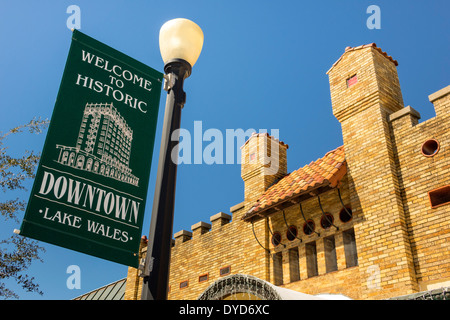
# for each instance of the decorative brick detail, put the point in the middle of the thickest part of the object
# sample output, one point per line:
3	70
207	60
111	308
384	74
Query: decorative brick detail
200	228
182	236
219	219
440	100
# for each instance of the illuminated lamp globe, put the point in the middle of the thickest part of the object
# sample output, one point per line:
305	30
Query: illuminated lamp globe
180	39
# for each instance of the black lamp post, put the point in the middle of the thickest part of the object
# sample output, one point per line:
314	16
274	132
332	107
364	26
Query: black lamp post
180	42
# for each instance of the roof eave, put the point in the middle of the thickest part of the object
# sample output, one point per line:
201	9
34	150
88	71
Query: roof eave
306	194
287	202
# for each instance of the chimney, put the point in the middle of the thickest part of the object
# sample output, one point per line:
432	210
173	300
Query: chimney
263	162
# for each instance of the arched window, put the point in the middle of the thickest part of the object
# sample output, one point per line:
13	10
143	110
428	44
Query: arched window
89	164
80	162
71	158
64	157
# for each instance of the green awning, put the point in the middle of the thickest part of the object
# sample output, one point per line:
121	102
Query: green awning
112	291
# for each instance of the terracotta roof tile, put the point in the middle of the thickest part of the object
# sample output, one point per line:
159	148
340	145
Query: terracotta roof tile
326	171
348	49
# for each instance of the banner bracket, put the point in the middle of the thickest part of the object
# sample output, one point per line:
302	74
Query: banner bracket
169	81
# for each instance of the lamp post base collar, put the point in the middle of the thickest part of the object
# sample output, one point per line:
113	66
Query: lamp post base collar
180	67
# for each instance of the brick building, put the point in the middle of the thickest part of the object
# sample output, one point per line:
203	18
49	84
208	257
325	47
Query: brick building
369	220
103	144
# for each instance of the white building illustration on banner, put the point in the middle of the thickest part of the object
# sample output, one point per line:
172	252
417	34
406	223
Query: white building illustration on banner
103	144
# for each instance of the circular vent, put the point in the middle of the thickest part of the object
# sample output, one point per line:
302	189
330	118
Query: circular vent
308	227
291	234
430	148
326	221
276	239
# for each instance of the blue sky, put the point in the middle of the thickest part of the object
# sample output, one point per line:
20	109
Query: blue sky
263	66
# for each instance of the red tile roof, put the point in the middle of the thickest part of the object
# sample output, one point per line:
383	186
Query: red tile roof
348	49
326	171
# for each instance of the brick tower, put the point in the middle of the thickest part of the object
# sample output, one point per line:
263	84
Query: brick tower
365	90
263	162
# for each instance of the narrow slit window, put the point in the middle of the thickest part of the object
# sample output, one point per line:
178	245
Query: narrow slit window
439	197
330	254
278	268
294	271
311	259
351	256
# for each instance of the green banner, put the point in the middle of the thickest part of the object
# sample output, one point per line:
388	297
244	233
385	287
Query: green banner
91	184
